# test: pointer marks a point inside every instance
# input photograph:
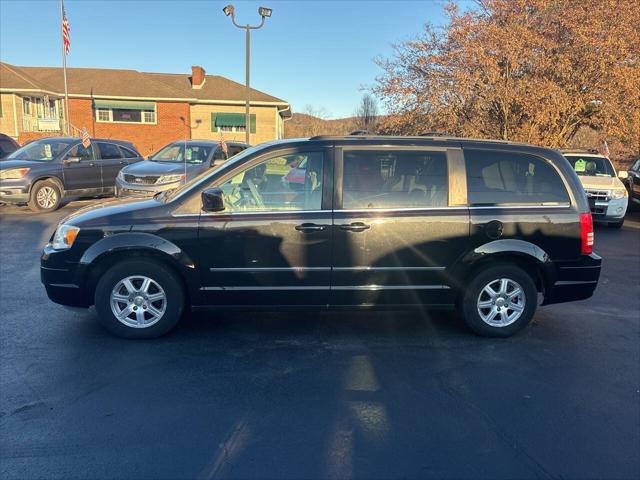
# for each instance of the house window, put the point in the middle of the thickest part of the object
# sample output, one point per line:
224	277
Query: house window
125	112
26	105
232	122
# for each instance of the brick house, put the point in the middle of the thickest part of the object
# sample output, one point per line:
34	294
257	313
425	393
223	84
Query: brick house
148	109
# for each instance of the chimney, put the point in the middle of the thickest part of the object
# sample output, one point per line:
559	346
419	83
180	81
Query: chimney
197	76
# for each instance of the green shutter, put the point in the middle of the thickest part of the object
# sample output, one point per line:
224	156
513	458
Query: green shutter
252	119
213	122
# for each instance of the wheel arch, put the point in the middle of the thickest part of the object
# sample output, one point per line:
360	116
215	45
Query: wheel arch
51	177
135	245
528	256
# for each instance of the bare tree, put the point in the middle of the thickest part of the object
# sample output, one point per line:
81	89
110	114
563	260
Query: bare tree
366	115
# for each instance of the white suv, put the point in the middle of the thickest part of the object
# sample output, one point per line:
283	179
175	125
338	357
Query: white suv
608	197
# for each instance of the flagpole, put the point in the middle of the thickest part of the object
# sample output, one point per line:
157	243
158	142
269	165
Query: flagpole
67	122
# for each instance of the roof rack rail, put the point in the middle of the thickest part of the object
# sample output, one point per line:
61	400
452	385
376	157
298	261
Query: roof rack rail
579	150
360	132
433	134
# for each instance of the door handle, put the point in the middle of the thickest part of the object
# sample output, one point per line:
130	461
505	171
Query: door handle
122	162
355	227
310	227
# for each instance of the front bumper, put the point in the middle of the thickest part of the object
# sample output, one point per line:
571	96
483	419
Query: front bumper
609	211
58	275
124	189
13	192
573	280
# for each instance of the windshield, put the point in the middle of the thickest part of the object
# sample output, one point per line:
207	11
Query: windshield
171	194
41	150
591	166
176	152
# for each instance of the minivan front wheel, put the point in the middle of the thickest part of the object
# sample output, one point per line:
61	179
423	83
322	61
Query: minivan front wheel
45	196
499	301
139	299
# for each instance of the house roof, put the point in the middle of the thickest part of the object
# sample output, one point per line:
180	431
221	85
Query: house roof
105	82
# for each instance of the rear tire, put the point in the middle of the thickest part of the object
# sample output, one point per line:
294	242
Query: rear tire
139	299
499	301
46	196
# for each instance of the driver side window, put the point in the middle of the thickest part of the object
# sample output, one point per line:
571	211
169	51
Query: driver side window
81	152
283	183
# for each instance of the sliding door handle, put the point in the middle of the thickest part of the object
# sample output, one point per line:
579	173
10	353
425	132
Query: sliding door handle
310	227
355	227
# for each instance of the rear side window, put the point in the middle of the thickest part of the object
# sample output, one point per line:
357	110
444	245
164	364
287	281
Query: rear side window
507	178
394	179
109	151
128	153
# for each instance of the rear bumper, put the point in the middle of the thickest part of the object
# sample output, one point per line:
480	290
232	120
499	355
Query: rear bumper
574	280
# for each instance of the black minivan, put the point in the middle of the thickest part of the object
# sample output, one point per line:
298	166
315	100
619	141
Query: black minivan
334	223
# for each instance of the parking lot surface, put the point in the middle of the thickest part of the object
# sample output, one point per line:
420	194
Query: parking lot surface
310	395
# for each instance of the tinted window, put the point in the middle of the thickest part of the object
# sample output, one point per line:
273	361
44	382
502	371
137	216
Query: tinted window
81	152
220	154
394	179
288	182
127	153
235	149
6	147
495	178
41	150
109	151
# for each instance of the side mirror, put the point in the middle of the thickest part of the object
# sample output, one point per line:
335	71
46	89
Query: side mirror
623	174
72	160
212	200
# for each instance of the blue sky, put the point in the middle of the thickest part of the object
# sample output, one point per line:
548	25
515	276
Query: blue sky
309	53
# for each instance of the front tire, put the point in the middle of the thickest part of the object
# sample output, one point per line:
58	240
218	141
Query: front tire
139	299
45	197
499	301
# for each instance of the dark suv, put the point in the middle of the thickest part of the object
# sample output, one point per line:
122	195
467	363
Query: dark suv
44	172
339	222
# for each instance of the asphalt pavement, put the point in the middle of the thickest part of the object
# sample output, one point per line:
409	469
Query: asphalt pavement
318	395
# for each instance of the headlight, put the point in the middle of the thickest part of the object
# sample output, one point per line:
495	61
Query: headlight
170	178
616	194
13	173
64	237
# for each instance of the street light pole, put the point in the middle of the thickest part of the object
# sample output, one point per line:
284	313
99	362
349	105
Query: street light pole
264	12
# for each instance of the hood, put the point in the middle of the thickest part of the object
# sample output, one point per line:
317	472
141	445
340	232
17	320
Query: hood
110	212
17	163
147	167
604	183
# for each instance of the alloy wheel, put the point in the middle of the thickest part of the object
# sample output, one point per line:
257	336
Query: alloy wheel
501	302
46	197
138	301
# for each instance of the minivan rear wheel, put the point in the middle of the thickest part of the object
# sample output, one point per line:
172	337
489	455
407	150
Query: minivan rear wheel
45	196
499	301
139	299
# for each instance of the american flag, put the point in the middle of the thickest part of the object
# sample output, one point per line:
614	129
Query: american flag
85	138
66	41
604	149
223	144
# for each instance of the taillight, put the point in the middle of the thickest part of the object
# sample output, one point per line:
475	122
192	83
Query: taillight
586	233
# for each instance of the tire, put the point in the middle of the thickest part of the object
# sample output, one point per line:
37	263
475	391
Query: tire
46	196
157	317
616	225
475	293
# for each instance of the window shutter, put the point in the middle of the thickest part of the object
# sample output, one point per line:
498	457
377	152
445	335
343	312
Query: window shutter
213	122
253	123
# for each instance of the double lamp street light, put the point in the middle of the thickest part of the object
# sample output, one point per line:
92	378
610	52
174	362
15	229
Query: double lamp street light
229	10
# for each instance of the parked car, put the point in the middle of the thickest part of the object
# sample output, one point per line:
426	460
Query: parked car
173	165
633	182
390	222
7	146
608	197
44	172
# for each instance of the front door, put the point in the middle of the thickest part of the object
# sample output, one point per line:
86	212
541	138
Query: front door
81	171
399	226
272	243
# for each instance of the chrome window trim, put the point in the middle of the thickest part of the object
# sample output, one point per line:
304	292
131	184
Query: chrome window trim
477	207
398	209
266	212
